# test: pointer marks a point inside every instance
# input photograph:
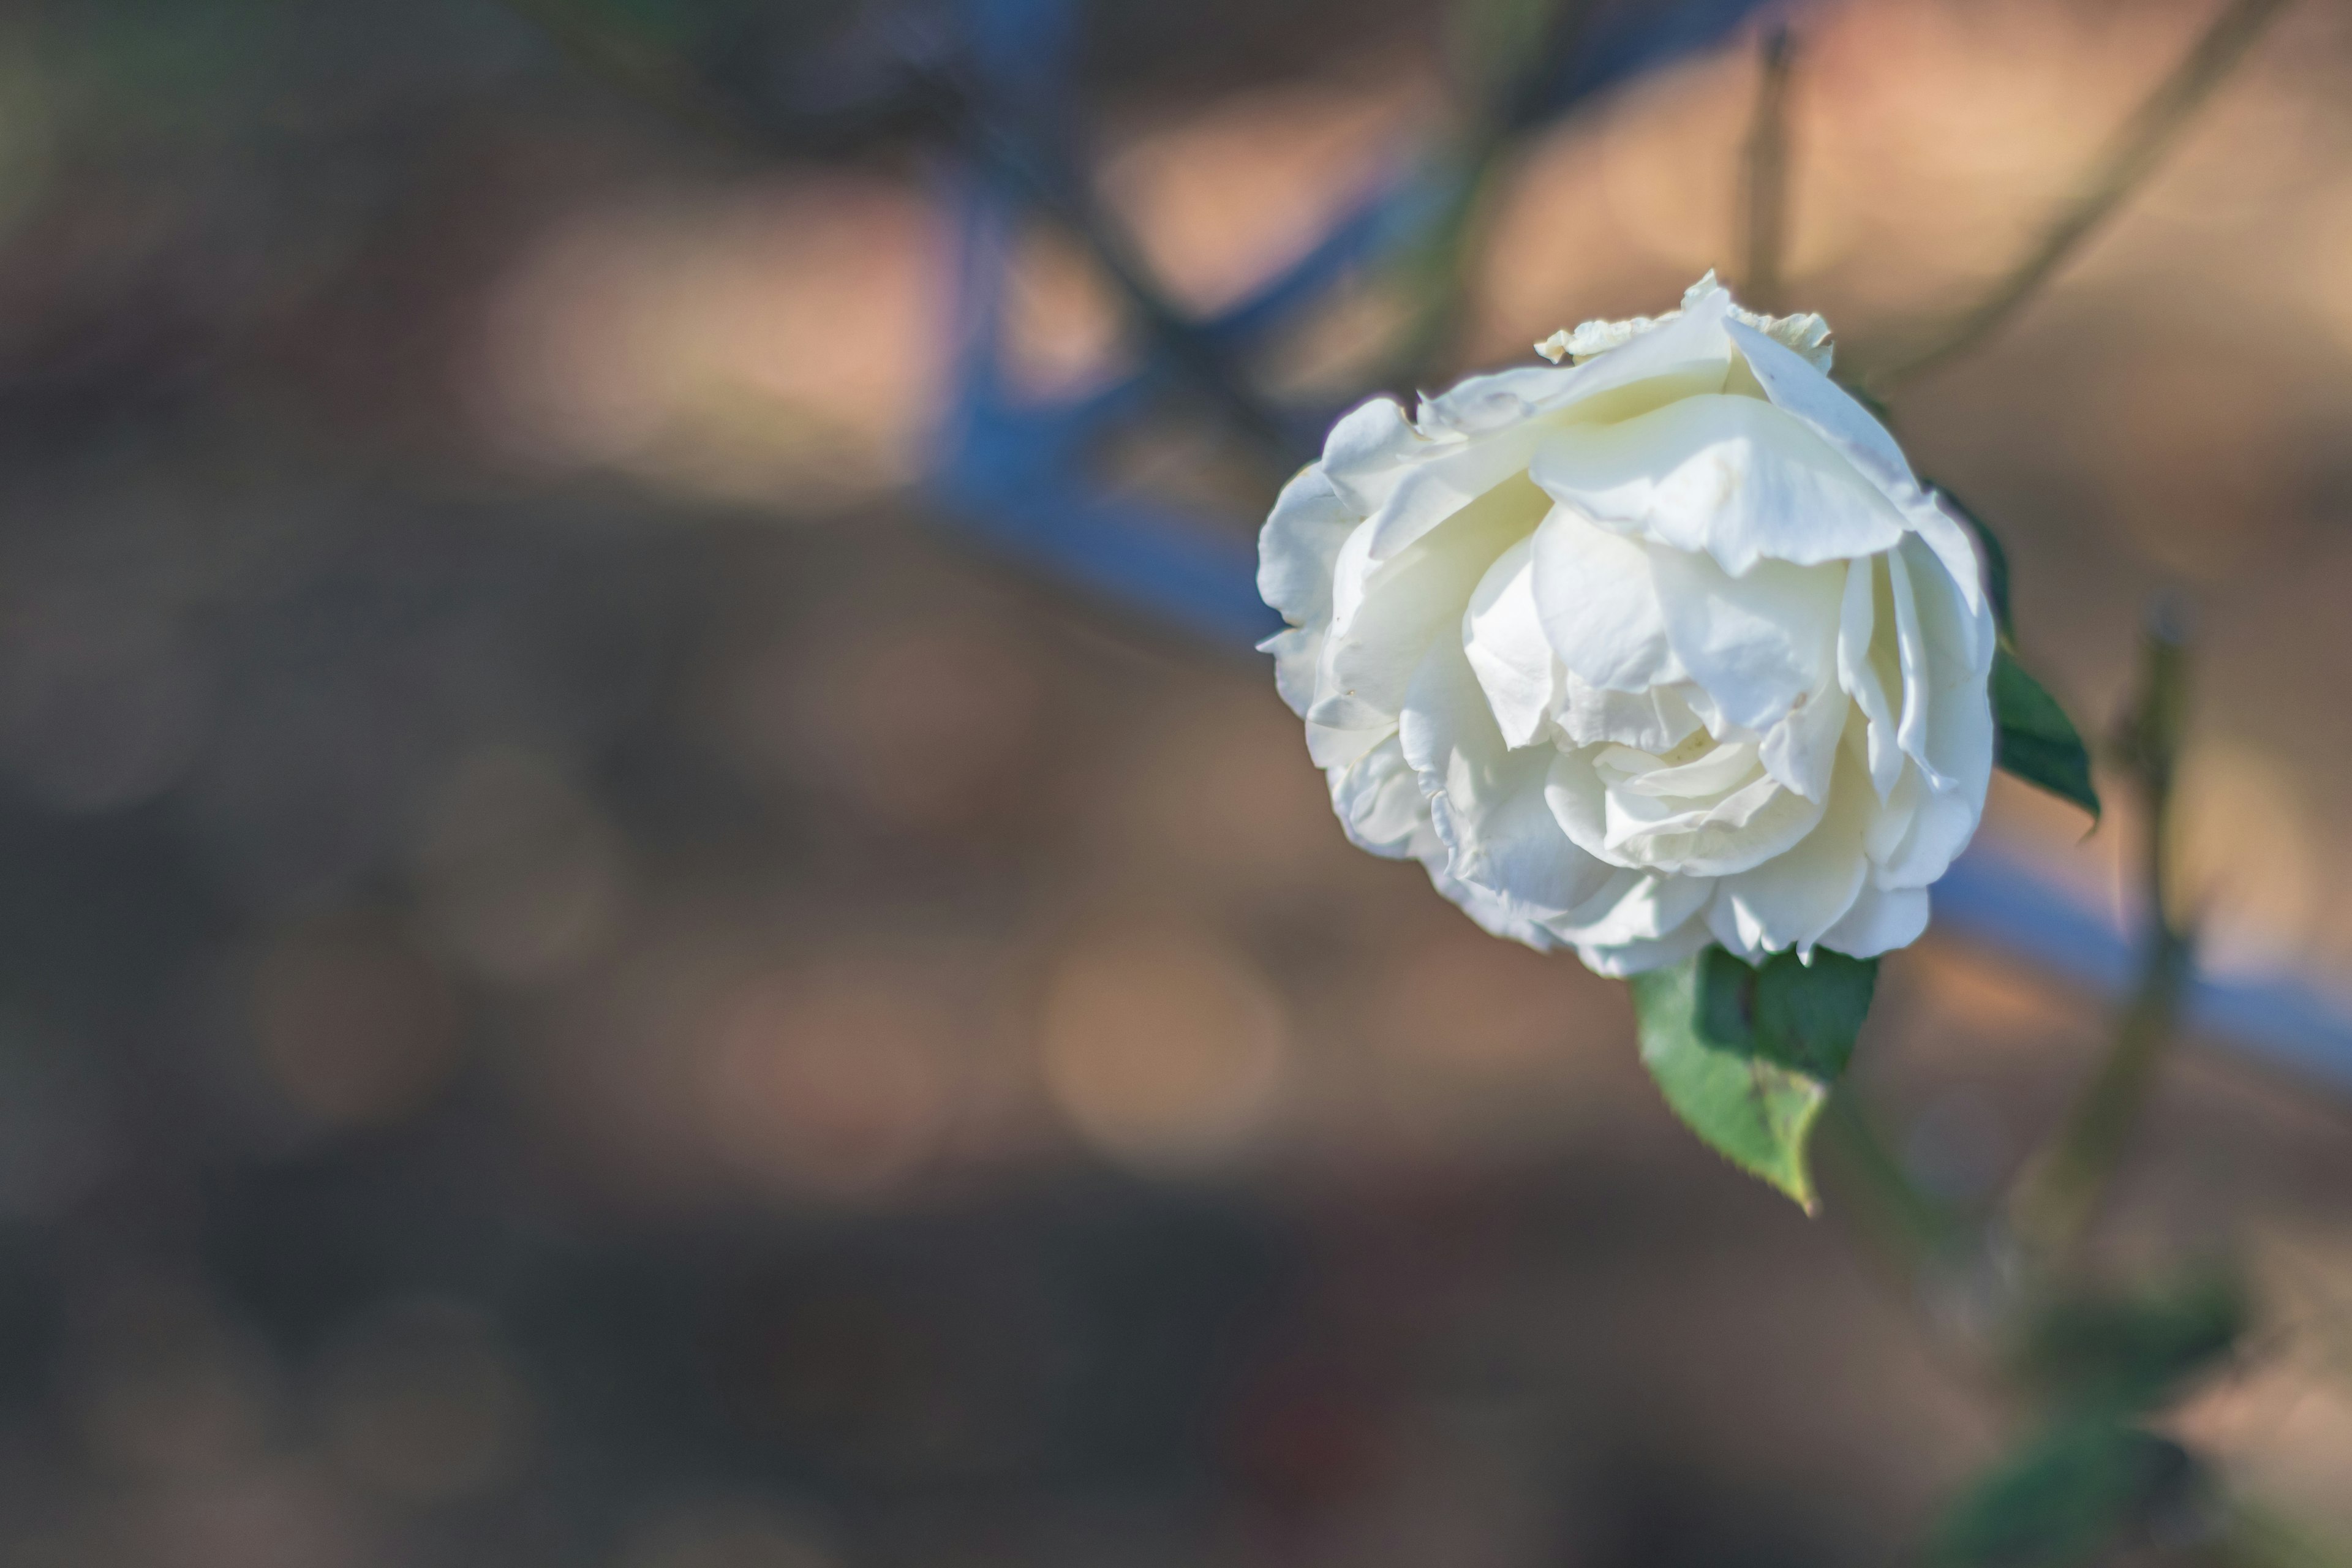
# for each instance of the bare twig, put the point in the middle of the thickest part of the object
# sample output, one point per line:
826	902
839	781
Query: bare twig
2063	1192
1764	191
2134	153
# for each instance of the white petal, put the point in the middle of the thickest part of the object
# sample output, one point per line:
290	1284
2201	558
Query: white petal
1867	660
1654	721
1488	802
1385	614
1296	652
1710	838
1635	905
1790	900
1911	731
1493	915
1638	957
1826	407
1327	748
1880	921
1801	751
1689	348
1731	476
1757	643
1367	450
1599	606
1452	476
1954	545
1298	547
1505	646
1379	803
1480	404
1941	824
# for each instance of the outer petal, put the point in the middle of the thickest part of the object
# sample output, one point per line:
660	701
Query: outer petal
1954	731
1379	803
1637	957
1635	906
1368	451
1385	614
1299	544
1801	390
1493	913
1688	351
1831	411
1881	921
1731	476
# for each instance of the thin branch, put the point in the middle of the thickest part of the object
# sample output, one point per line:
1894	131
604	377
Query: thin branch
1516	47
1764	191
2063	1192
659	81
2135	150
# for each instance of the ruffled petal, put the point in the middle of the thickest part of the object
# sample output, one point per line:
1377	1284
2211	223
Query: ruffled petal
1386	613
1758	643
1379	803
1703	838
1655	721
1828	409
1488	802
1636	906
1792	899
1800	751
1731	476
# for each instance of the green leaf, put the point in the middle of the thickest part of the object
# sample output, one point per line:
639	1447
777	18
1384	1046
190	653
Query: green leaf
2038	742
2067	1497
1747	1057
1995	562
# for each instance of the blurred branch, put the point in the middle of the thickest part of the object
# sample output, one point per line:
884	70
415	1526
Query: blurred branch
659	82
646	75
2135	150
1513	48
2250	1535
1764	191
1912	1224
2063	1192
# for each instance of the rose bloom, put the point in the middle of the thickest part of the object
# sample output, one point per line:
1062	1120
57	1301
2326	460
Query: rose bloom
1660	646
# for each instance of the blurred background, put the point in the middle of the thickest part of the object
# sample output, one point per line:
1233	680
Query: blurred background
589	980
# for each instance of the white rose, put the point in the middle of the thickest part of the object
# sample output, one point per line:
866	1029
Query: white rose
1662	646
